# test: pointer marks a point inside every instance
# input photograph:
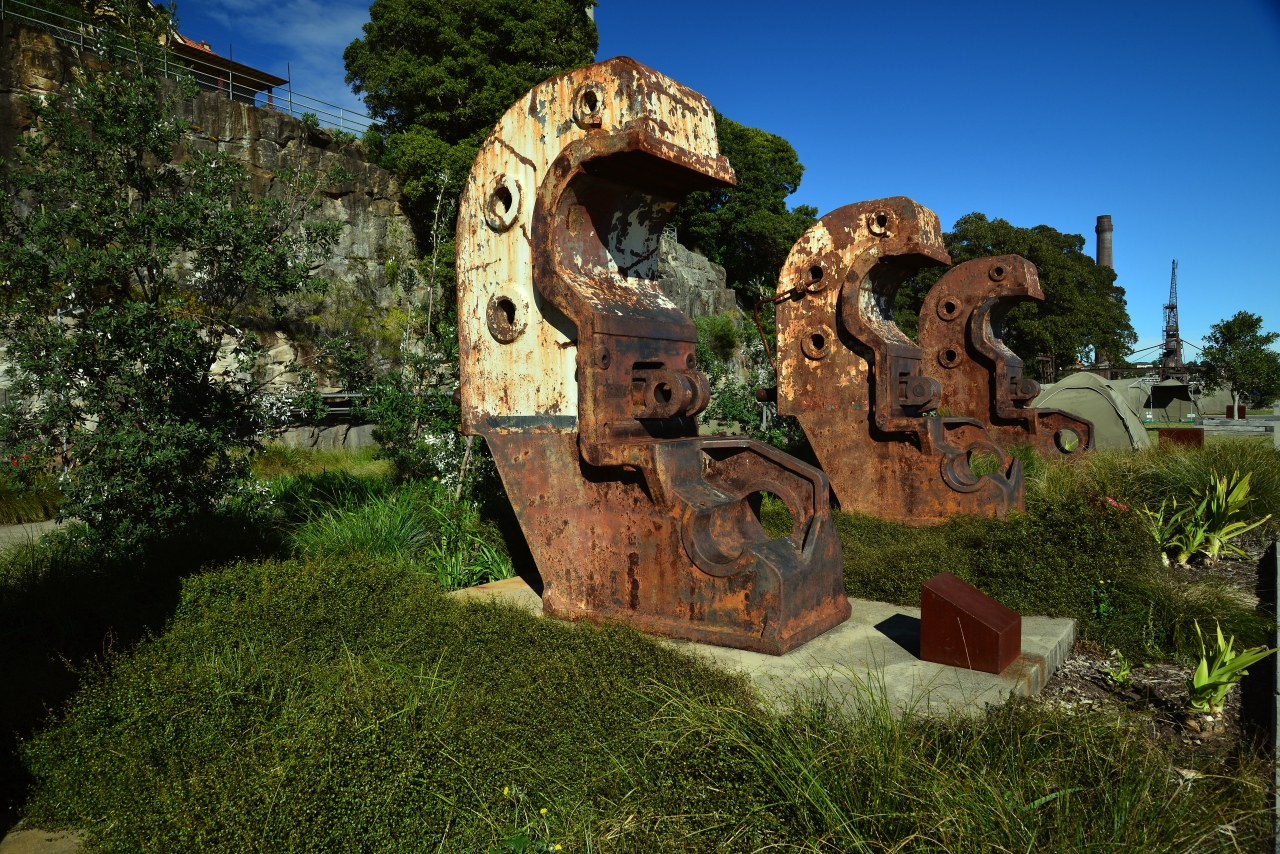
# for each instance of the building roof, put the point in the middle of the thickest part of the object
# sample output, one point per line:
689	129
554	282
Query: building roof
206	61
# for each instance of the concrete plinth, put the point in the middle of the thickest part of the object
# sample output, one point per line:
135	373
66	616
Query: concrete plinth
876	648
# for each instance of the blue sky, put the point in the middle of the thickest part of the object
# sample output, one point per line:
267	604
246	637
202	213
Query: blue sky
1164	115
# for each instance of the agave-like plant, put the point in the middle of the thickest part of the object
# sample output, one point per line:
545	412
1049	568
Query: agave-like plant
1220	507
1216	675
1206	525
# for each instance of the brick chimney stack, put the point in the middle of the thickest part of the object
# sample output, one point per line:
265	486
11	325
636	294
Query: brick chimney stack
1103	230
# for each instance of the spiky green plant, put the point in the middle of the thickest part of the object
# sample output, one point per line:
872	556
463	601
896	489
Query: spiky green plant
1217	674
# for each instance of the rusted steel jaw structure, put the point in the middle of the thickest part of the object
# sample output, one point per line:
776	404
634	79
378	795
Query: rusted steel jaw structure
581	376
855	381
960	331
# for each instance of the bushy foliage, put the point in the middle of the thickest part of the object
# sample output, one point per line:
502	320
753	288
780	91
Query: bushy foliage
720	339
1083	308
437	76
123	274
748	229
1239	358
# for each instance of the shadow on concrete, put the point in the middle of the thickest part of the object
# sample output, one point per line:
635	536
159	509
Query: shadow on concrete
902	630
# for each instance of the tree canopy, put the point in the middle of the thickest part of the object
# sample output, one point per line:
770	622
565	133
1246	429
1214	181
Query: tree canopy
1082	309
438	74
1239	358
748	229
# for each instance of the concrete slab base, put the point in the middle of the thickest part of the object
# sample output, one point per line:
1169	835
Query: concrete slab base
19	841
875	650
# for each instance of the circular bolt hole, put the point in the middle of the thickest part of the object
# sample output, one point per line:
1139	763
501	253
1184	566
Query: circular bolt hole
502	319
882	220
998	272
949	358
690	361
603	358
813	343
504	204
590	101
949	307
503	197
1067	440
662	392
815	273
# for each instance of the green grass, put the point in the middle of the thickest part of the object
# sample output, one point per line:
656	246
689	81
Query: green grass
327	696
324	705
20	506
1072	553
274	461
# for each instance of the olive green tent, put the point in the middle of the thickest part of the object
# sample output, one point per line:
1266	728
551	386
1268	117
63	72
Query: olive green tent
1115	423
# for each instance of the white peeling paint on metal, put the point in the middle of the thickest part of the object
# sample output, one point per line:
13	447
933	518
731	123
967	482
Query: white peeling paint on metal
534	375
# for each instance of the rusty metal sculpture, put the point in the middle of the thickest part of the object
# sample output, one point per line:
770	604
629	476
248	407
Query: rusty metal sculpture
960	333
855	381
581	376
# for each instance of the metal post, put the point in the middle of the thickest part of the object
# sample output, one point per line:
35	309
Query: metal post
289	73
231	61
339	118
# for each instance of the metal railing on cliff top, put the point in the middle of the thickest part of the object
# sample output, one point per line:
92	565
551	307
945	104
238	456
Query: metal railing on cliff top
208	76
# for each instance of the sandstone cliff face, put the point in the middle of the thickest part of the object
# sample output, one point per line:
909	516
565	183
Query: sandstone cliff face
692	282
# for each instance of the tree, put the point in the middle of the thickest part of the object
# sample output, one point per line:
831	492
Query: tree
123	273
1239	358
1082	309
748	229
438	75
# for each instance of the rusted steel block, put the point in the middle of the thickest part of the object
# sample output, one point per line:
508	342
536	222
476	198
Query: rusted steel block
581	375
981	378
964	627
855	381
1192	437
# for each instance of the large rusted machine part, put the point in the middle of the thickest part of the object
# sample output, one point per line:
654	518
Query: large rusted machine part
960	333
581	376
855	381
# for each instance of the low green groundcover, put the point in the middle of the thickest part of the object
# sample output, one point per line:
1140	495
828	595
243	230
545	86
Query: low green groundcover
349	706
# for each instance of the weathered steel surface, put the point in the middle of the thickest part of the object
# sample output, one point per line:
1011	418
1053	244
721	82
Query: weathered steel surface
964	627
855	382
581	376
1191	437
960	332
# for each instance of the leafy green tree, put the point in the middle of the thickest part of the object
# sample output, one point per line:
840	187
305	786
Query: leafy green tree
748	229
1239	358
123	273
437	74
1082	308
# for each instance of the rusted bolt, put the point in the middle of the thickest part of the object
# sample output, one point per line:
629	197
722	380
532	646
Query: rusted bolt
503	206
503	319
998	272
